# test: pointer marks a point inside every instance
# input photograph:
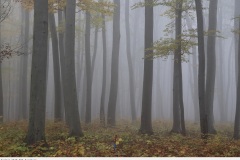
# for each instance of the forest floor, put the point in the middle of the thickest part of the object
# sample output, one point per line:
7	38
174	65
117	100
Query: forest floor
98	141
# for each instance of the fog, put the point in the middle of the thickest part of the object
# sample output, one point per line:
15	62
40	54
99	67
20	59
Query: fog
12	32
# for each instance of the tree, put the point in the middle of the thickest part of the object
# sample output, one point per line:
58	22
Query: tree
1	87
237	113
69	81
130	65
178	107
236	23
36	126
61	53
56	68
111	118
201	70
146	115
5	9
211	63
88	67
103	95
24	67
94	49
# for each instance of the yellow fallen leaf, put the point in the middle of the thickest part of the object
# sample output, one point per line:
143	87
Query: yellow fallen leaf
81	151
148	142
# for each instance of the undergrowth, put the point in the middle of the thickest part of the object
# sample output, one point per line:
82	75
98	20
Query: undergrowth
98	141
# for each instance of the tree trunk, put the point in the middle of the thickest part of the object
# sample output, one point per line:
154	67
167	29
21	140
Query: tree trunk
220	80
69	78
102	107
176	128
94	51
146	115
36	126
201	70
236	26
61	55
211	64
237	114
179	58
56	68
178	106
88	68
1	87
130	65
111	118
24	69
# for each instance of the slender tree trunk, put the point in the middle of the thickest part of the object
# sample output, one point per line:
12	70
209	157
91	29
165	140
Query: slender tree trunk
130	65
88	68
61	55
236	26
237	114
195	83
176	128
111	118
56	68
69	78
1	94
84	96
36	126
201	70
220	80
179	51
102	107
178	107
24	68
211	64
146	116
84	79
94	51
1	87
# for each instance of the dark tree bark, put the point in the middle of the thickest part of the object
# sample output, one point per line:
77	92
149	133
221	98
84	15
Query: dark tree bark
84	98
178	106
61	57
176	128
130	65
69	78
84	79
237	114
146	116
111	118
88	68
102	107
179	51
236	26
211	64
1	87
1	94
56	68
36	126
201	70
